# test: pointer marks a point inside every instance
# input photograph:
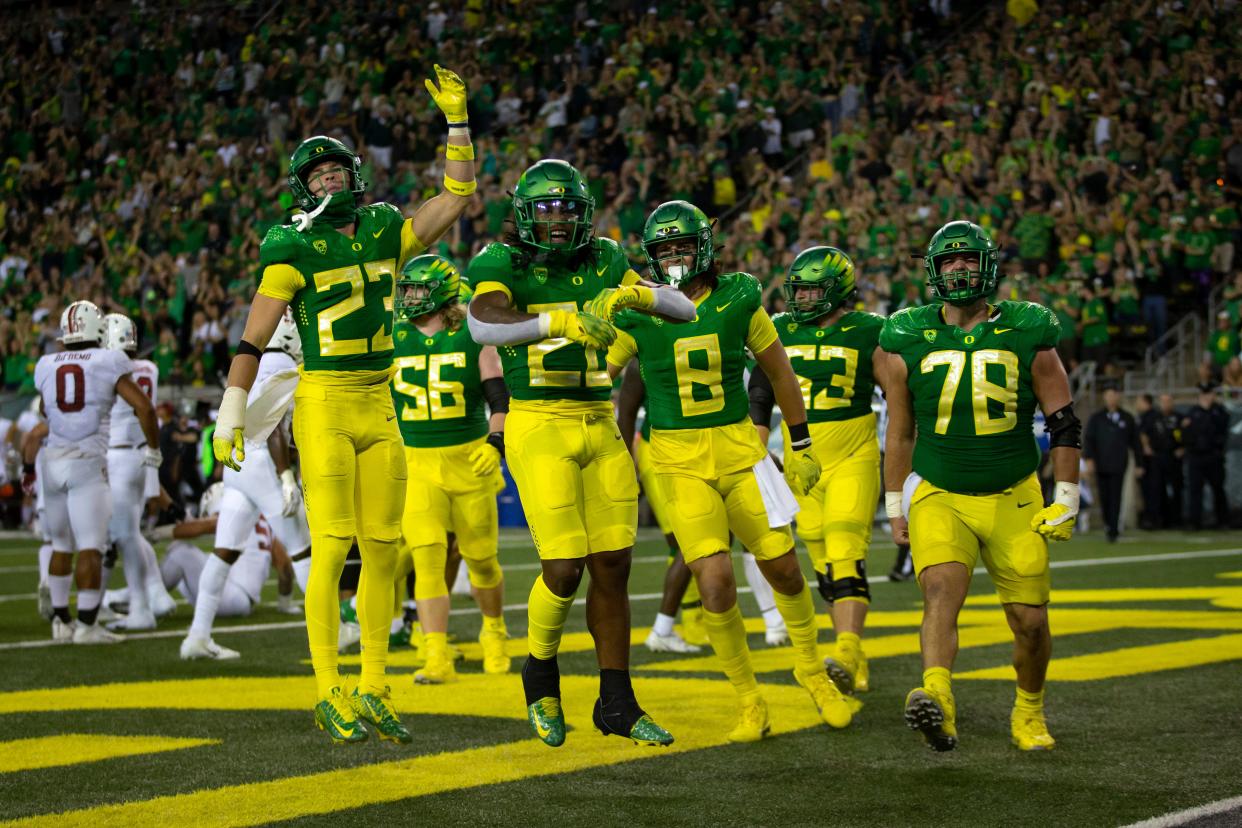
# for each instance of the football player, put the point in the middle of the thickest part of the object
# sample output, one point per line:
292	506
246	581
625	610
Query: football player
572	470
335	266
443	378
832	350
965	376
265	486
78	387
706	451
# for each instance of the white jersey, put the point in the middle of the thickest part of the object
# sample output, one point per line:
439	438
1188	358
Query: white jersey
78	389
272	363
126	430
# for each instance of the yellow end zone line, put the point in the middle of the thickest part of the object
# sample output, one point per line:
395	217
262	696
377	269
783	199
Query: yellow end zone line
77	748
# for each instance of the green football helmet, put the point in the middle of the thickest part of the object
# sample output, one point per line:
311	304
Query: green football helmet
553	193
426	284
672	221
961	288
313	151
826	268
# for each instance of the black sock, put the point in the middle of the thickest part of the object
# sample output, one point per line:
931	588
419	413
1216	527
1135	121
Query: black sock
87	617
615	684
541	678
62	613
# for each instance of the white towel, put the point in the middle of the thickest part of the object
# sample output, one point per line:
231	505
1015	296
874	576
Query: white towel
907	493
778	498
267	405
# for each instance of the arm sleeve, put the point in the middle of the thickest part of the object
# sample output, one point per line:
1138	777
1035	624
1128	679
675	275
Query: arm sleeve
410	244
281	281
761	332
623	349
674	304
762	397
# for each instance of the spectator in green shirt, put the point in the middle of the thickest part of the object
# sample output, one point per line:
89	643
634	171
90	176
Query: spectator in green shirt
1220	360
1093	325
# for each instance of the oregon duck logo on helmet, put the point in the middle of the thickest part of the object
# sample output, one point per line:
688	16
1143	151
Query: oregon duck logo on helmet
552	207
961	287
824	268
426	283
670	222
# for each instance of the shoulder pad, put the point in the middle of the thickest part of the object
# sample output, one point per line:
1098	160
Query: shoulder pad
904	327
1035	319
493	261
281	245
745	286
782	318
383	211
605	246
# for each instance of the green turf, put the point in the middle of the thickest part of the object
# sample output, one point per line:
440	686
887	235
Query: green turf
1128	748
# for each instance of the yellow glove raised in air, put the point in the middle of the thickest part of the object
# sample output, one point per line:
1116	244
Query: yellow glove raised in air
610	300
450	96
1056	521
580	327
228	437
485	460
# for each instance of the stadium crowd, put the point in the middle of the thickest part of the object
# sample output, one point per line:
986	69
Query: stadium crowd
1095	142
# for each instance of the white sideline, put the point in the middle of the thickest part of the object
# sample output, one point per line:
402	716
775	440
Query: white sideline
1190	814
648	596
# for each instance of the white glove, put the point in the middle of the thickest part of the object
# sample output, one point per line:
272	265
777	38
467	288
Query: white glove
228	440
288	492
152	457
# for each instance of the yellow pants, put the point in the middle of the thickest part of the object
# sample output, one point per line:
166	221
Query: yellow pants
575	477
443	496
646	475
946	527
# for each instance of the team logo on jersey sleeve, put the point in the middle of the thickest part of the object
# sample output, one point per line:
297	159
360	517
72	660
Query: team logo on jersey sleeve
401	335
929	335
540	274
320	246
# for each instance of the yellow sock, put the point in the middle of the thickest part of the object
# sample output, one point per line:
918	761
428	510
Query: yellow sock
496	624
938	679
692	593
323	609
545	618
798	612
727	632
1029	701
379	561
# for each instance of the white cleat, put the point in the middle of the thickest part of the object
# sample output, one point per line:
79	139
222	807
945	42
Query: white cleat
158	599
776	636
45	600
285	604
348	635
109	616
672	643
195	647
116	596
133	623
94	634
62	633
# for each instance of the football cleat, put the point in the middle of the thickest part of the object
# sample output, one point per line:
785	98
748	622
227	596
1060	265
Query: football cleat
835	709
112	615
195	647
400	638
439	669
850	678
335	716
692	629
62	633
934	715
671	643
752	723
347	635
377	710
1030	731
158	599
133	623
94	634
287	606
547	720
495	659
44	600
641	730
776	636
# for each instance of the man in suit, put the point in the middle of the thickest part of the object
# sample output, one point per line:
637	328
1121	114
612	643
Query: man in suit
1111	436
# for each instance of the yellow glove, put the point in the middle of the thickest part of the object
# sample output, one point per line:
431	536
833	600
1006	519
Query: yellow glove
610	300
1056	522
801	471
228	436
451	96
583	328
484	460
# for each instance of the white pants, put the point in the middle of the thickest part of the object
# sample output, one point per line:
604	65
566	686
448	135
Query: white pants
254	491
127	481
182	568
76	501
152	487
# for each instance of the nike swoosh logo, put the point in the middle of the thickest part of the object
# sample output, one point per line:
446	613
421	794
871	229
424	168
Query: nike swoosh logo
725	305
379	233
1024	505
848	328
393	417
541	730
1001	330
601	270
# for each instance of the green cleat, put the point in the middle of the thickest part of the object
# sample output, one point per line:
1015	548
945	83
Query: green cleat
400	638
335	716
547	720
644	730
377	709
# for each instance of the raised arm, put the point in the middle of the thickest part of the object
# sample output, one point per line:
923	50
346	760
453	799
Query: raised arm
437	215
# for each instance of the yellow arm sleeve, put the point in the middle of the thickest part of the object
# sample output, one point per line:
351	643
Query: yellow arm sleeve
281	281
761	332
488	287
410	244
630	278
622	350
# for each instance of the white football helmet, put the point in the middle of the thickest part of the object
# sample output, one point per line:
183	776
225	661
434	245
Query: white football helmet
209	504
286	337
81	322
120	333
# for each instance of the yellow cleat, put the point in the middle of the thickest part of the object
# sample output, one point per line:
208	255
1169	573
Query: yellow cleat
834	708
692	629
849	671
934	715
1030	731
752	724
439	669
495	659
862	678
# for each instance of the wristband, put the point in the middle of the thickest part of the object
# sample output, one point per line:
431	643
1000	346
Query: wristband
461	188
799	437
459	152
892	504
497	441
458	129
1067	494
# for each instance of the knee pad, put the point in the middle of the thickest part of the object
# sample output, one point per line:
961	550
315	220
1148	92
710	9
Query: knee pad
429	572
844	581
484	573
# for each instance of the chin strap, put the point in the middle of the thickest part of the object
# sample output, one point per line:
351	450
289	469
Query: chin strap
303	221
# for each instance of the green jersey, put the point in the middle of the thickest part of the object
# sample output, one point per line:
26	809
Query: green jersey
973	399
833	363
552	369
342	295
694	370
437	390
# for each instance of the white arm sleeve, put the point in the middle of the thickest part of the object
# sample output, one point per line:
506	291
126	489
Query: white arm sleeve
674	304
508	333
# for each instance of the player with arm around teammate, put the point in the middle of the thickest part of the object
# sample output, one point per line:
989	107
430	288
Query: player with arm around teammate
832	350
965	377
709	460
